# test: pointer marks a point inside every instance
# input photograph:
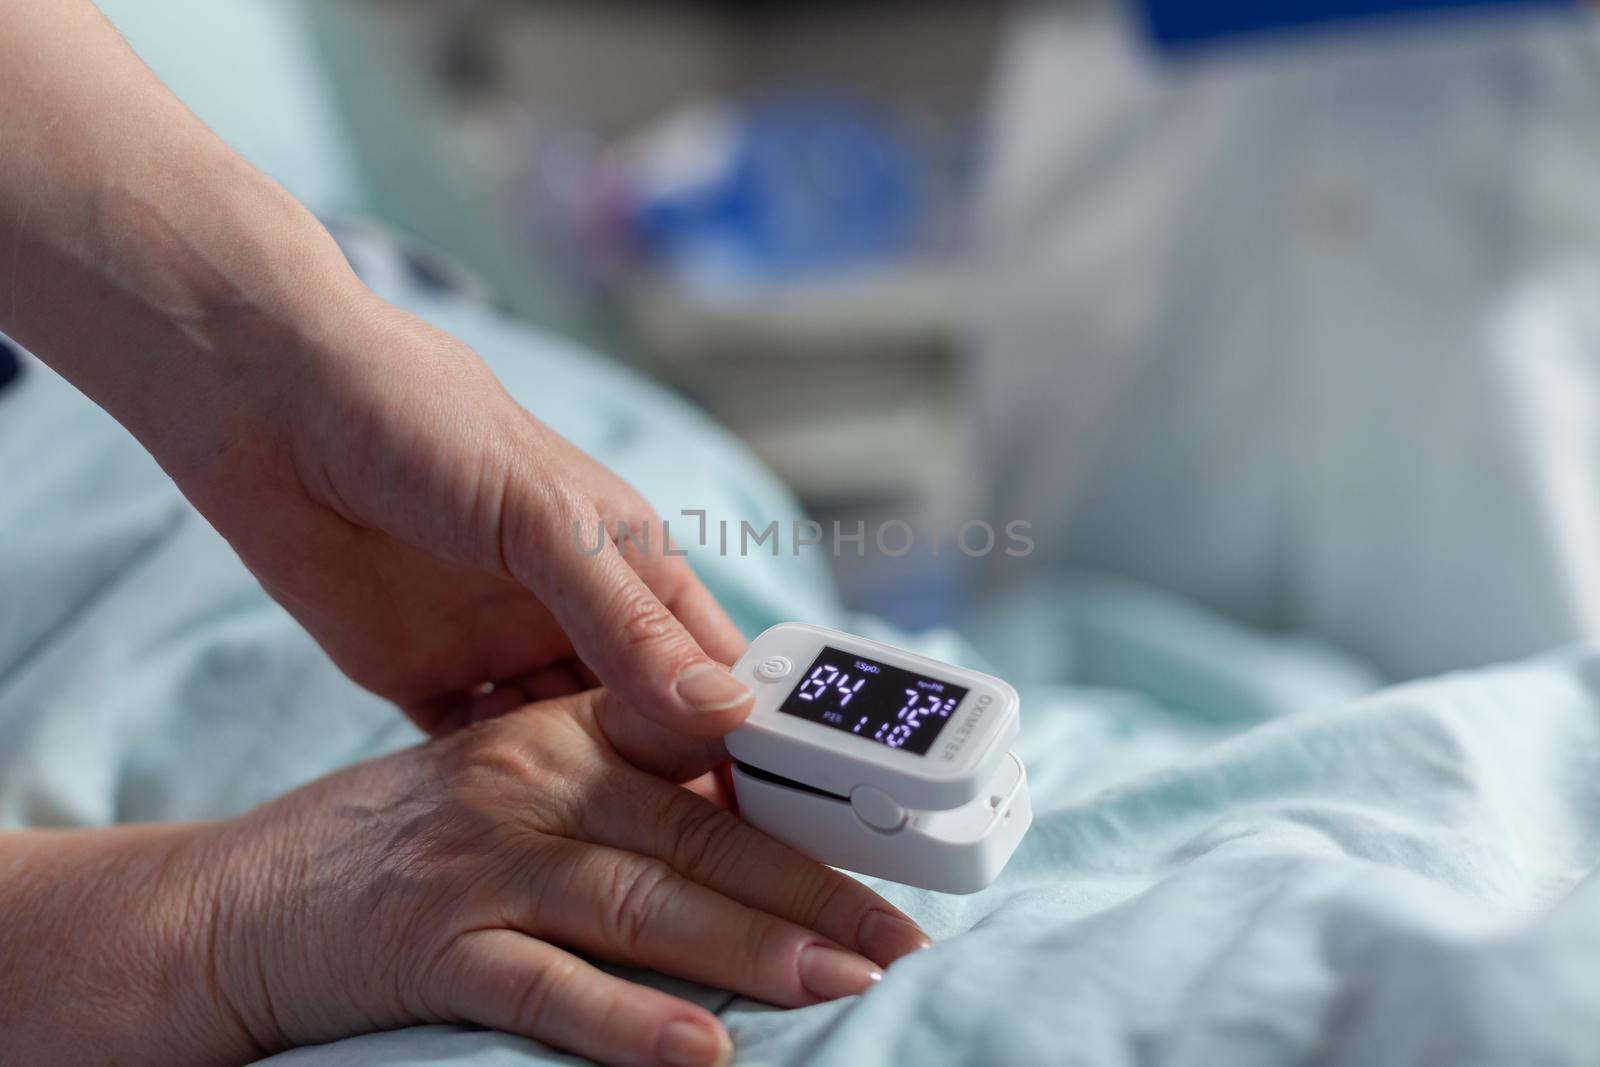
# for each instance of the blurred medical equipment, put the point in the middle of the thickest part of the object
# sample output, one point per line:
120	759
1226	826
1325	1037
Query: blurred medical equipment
766	189
1183	23
1308	333
769	206
878	760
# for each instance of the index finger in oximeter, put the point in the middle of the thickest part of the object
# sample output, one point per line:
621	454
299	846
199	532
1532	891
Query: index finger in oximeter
880	761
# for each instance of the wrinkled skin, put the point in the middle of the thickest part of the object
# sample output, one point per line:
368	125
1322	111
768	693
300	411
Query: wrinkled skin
453	881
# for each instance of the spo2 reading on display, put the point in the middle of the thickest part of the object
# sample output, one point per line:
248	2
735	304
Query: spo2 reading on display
885	704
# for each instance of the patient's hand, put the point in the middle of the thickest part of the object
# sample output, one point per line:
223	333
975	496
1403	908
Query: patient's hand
449	882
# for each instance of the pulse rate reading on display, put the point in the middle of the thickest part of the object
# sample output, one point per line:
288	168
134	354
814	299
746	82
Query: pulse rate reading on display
894	707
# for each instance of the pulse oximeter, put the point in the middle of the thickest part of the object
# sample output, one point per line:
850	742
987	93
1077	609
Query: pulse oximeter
871	758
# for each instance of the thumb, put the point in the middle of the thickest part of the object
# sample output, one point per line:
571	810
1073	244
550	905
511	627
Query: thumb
632	641
655	749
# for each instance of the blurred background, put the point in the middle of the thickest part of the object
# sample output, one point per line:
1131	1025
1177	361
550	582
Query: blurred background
1290	310
766	206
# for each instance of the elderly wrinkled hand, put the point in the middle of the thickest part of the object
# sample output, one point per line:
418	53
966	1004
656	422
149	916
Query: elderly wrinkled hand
459	880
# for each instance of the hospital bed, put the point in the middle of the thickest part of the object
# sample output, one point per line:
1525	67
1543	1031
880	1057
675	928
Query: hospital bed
1246	850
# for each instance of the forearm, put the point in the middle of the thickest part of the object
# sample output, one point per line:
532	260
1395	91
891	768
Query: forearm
106	950
139	255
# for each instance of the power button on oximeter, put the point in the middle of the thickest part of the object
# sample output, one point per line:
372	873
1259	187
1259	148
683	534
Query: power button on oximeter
774	668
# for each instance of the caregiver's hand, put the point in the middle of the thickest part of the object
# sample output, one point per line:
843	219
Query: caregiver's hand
370	470
426	530
450	882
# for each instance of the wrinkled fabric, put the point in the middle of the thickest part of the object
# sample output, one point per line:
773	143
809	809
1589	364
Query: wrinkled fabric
1242	852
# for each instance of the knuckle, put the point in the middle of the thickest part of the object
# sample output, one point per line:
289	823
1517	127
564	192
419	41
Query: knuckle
559	505
486	753
643	892
535	999
544	519
705	839
481	764
437	975
820	895
642	620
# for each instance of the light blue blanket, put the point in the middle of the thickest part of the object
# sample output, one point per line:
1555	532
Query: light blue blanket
1239	857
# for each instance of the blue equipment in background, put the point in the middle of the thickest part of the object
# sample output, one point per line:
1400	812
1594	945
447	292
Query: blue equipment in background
1177	24
810	184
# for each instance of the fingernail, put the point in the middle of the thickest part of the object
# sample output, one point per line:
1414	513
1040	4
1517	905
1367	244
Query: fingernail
710	688
687	1044
885	938
828	973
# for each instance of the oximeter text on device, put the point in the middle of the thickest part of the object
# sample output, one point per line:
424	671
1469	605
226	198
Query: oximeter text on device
871	758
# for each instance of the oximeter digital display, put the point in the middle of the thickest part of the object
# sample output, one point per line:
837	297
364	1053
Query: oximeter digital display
874	700
880	761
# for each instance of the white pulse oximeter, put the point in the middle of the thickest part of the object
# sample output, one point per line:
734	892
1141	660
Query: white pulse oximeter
870	758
